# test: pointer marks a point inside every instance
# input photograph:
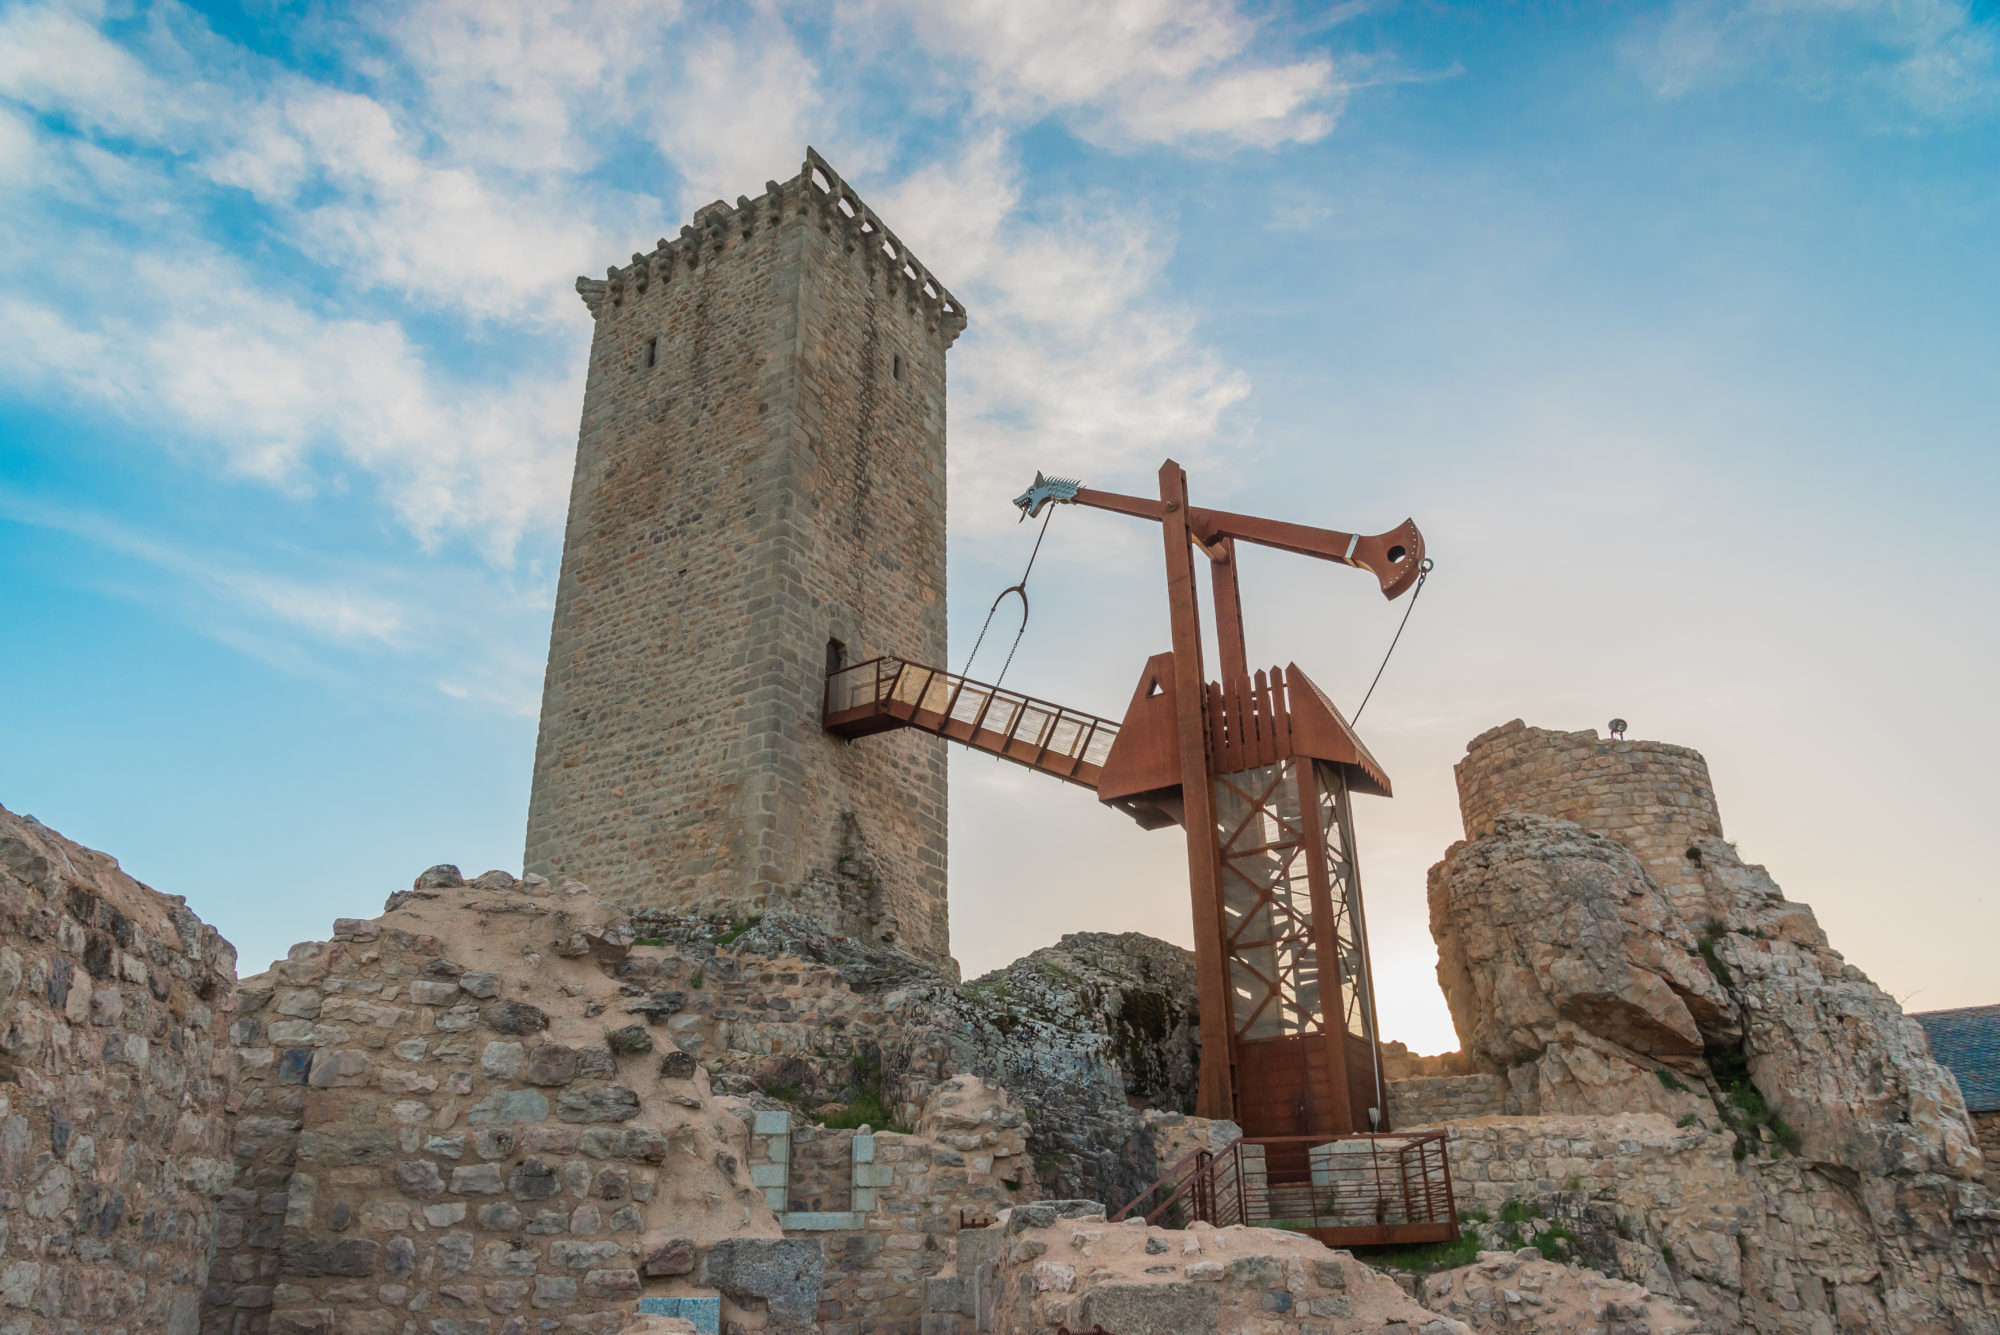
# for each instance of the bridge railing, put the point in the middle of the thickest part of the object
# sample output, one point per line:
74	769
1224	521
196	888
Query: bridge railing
988	718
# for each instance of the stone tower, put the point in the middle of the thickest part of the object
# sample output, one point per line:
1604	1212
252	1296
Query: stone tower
759	493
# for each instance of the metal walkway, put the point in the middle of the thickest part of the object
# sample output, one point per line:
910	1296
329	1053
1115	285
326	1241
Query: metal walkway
885	693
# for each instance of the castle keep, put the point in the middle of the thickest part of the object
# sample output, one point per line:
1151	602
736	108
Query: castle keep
759	495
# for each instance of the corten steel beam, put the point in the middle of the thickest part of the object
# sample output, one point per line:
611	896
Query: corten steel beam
1228	612
1326	949
1215	1092
1394	558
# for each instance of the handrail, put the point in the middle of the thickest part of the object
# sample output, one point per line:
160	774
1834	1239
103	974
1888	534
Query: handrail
1400	1181
1040	734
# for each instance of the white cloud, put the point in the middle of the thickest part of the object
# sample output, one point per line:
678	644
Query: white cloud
453	177
335	611
1134	71
528	86
1930	55
1073	362
744	104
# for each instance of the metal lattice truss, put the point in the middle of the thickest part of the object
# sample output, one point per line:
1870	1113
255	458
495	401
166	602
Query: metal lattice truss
1349	928
1286	843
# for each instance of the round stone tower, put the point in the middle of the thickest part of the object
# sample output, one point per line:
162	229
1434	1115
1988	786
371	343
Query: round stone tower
1653	797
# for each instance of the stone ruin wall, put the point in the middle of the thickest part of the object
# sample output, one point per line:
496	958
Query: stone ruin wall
1426	1100
455	1119
114	1069
1653	797
760	468
907	1198
1986	1126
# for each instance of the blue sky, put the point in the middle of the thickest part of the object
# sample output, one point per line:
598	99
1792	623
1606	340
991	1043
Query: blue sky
1673	326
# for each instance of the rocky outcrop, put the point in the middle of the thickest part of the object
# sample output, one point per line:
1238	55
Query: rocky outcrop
1079	1032
1137	991
1522	1291
114	1011
1567	969
1814	1169
1057	1265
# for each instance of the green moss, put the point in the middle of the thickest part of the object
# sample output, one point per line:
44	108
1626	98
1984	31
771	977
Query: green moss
1517	1212
696	981
1426	1259
1744	1109
1668	1254
649	941
1688	1119
1553	1243
738	929
1713	931
1671	1082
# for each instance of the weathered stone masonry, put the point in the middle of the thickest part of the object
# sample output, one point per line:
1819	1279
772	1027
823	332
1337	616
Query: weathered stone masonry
760	473
114	999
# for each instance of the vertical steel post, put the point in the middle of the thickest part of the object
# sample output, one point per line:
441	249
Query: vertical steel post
1326	948
1215	1092
1234	660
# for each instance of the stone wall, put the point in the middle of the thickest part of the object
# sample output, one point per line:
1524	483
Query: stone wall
1653	797
760	470
453	1119
1421	1101
1986	1125
113	1076
908	1196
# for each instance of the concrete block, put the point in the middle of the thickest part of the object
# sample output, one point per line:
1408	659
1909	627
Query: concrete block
704	1314
768	1174
820	1221
864	1149
772	1123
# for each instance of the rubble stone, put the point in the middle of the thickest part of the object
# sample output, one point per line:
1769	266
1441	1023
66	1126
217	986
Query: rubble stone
1007	1279
114	1059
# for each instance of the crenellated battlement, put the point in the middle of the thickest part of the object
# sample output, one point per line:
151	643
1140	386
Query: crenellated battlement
818	193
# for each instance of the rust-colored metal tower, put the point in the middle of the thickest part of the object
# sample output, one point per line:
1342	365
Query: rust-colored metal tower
1257	769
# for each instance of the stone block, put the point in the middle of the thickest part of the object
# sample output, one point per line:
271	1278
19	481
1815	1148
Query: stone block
308	1258
597	1103
513	1017
783	1272
1149	1309
668	1256
510	1105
